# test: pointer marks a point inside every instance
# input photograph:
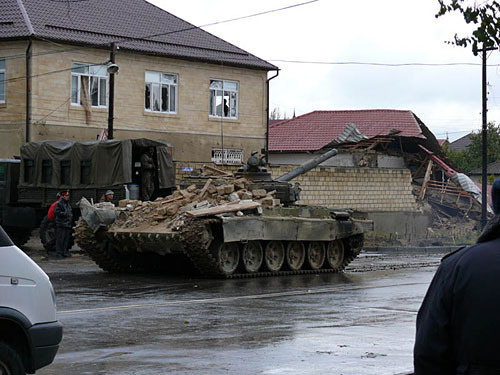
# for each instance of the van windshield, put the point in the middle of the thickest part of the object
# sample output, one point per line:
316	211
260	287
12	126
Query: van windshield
4	239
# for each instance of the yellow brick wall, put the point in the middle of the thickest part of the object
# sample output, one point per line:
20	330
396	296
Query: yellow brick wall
13	111
192	132
364	189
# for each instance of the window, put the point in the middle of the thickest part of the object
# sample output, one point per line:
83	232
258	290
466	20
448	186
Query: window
227	156
223	98
85	168
28	171
2	80
160	94
46	171
89	85
65	172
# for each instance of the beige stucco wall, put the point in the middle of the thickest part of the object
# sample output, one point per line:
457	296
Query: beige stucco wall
191	131
13	111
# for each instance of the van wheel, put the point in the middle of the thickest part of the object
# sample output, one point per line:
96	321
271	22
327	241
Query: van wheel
10	361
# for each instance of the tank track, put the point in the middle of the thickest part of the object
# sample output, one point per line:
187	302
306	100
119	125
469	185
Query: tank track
197	236
198	251
97	246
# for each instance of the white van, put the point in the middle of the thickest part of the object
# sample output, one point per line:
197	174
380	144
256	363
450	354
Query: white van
29	332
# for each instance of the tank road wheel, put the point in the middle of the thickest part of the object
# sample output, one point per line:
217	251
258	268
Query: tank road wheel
274	255
315	255
335	254
228	256
295	255
252	256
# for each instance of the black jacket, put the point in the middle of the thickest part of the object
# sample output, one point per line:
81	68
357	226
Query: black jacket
458	324
64	214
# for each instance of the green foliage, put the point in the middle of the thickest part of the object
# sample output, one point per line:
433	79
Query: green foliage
471	158
491	179
485	17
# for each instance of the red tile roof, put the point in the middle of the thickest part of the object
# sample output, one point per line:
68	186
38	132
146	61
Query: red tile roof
317	129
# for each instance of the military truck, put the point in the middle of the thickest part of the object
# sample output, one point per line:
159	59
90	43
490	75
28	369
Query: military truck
243	226
29	185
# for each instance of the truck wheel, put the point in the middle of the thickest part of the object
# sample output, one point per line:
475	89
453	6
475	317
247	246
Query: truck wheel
18	235
10	361
48	234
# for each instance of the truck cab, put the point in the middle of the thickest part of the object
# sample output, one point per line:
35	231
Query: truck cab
29	330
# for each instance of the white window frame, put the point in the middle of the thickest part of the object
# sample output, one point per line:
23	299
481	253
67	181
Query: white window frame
168	81
227	156
225	88
3	81
94	73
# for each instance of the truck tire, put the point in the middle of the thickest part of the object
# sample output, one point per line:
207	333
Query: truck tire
48	234
18	235
10	361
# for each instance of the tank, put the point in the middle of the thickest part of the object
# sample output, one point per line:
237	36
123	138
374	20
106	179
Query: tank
246	225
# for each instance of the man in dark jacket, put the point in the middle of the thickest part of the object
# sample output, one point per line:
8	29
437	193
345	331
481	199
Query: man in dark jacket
64	221
458	324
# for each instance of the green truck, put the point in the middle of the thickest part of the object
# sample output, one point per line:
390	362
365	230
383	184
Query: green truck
29	184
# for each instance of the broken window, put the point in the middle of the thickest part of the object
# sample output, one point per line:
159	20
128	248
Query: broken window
160	93
28	170
46	171
89	85
223	98
65	172
85	169
2	80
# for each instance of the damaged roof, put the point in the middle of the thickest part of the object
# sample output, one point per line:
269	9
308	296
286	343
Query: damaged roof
315	130
136	25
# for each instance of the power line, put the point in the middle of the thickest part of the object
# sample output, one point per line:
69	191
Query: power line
378	64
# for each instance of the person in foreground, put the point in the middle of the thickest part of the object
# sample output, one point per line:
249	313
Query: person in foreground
458	324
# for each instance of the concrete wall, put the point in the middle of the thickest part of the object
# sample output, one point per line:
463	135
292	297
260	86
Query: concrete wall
192	132
406	227
342	159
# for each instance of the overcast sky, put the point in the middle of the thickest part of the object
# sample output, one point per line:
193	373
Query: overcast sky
446	98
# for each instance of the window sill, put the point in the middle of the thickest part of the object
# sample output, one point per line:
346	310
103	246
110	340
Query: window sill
223	119
160	114
81	108
3	105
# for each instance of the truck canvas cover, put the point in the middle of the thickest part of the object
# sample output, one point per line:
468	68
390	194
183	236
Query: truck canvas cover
111	162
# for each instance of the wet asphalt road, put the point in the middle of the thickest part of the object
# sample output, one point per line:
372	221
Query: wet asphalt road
359	322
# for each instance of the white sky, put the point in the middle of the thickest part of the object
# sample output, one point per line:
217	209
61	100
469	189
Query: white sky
447	99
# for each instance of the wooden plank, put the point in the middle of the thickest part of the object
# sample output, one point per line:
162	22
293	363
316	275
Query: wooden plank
222	209
204	190
426	180
216	170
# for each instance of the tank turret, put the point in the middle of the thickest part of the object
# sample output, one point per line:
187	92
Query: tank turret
287	193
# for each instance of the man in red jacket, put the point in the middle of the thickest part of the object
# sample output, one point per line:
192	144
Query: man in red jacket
51	215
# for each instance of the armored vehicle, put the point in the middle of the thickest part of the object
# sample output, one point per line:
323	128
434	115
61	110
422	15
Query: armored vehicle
28	185
224	227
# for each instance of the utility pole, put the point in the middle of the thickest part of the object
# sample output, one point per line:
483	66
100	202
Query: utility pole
111	105
484	175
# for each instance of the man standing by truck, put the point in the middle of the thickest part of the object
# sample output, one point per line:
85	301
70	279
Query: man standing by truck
64	220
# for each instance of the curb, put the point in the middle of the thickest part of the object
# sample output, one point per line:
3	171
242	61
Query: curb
422	249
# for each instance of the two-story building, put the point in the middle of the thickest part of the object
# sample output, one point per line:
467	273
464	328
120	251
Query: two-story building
176	82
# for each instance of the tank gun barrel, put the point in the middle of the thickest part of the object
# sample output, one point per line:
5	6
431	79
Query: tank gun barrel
307	166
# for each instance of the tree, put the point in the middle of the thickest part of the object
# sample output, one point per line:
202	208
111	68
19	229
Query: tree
484	16
471	158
